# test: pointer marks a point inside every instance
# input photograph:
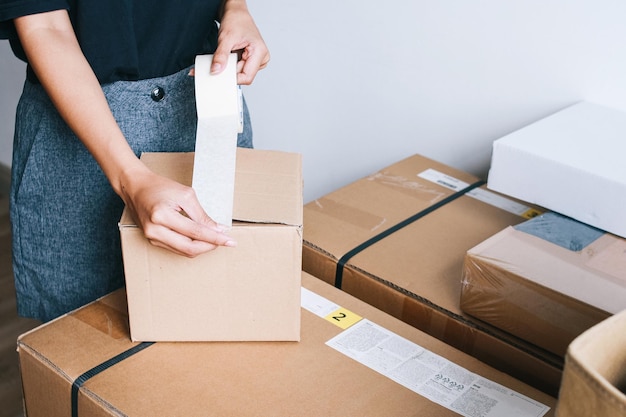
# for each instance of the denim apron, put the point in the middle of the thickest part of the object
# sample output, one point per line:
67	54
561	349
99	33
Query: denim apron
64	213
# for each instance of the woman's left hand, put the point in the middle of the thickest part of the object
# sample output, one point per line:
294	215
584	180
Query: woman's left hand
239	33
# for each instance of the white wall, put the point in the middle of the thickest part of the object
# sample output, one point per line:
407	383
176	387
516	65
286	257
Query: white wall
356	85
12	74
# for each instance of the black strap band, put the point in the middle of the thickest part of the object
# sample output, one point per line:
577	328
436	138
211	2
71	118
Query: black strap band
80	381
345	258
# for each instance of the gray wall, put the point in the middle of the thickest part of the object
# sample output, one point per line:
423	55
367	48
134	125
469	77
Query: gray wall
356	85
12	73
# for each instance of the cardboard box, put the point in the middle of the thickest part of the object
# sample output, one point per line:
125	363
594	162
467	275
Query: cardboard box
546	280
570	162
414	272
249	292
594	379
84	364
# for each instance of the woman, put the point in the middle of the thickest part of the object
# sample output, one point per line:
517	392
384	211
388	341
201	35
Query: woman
105	82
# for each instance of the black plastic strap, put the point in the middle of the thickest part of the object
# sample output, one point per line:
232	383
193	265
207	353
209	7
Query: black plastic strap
80	381
345	258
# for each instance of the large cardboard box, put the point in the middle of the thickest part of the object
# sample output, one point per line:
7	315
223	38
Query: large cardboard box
247	292
84	364
397	238
571	162
546	280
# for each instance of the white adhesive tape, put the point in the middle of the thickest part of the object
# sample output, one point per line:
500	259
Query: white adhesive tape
218	104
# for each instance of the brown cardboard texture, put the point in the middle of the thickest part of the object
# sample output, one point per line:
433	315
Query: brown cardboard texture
594	379
414	272
89	352
248	292
541	291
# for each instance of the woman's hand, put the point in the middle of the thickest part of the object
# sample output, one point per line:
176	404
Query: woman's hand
238	33
171	216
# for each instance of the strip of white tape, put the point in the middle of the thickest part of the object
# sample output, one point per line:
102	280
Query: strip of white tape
218	108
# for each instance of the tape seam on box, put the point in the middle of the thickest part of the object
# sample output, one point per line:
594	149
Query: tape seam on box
350	254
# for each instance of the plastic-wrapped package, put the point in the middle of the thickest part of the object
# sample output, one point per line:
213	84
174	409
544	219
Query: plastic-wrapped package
546	280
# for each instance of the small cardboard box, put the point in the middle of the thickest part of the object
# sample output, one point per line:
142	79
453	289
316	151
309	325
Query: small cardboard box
397	238
84	364
248	292
571	162
546	280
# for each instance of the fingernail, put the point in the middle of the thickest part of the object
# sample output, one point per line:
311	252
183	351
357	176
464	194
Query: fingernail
230	243
215	68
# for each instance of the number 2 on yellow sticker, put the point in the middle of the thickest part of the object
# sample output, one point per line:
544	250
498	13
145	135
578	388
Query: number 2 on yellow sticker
343	318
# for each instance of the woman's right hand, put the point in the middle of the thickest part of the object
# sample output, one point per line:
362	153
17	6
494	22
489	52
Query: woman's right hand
171	216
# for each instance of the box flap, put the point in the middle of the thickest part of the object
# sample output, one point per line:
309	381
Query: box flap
268	184
268	187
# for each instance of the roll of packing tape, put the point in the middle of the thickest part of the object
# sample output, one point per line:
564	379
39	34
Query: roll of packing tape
218	104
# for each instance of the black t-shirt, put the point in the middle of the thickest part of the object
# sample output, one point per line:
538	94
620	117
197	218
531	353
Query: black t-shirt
128	39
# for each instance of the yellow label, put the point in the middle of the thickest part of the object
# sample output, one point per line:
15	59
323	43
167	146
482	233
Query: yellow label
343	318
530	213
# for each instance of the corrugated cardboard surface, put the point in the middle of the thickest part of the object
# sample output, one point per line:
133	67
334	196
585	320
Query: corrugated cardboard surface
268	184
415	273
223	378
570	162
541	291
594	379
228	294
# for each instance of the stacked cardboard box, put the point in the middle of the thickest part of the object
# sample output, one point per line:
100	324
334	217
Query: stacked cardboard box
546	280
85	364
552	278
242	289
397	238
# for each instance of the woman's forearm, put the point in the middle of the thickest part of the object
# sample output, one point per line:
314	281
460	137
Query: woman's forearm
55	56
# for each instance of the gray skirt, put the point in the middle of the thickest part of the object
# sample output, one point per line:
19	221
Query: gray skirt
64	213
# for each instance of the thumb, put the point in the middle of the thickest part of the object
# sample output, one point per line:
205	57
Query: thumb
220	60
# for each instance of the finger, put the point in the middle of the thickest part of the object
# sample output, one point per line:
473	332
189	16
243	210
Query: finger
261	51
220	58
249	69
192	208
188	220
186	237
207	230
181	245
251	63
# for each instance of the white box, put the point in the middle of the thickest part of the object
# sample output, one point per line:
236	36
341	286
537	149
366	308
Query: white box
572	162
